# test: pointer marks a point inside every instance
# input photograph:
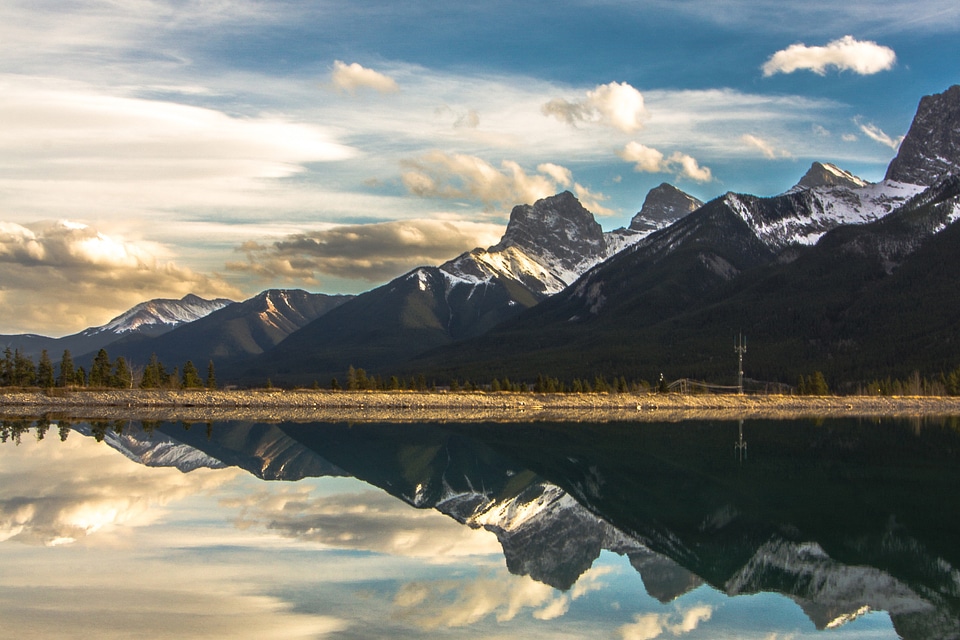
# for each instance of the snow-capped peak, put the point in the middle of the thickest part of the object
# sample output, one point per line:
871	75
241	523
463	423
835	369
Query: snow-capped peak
161	314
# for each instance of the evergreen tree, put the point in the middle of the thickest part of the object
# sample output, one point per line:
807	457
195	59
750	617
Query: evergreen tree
817	385
6	368
122	377
211	376
191	377
154	375
45	377
351	379
335	385
24	373
67	372
80	378
100	370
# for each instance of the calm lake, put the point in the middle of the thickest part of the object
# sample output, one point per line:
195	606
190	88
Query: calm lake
755	529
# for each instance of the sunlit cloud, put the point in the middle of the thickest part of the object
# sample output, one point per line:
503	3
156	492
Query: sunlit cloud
58	275
350	77
466	177
367	521
371	252
656	625
876	134
498	595
616	104
649	160
845	54
45	504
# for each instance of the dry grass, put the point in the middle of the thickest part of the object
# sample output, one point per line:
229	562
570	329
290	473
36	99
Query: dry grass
276	405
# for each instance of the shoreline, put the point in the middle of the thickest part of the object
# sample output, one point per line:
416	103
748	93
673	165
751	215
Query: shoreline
409	406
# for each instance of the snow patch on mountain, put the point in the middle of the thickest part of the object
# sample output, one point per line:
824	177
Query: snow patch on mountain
803	215
161	314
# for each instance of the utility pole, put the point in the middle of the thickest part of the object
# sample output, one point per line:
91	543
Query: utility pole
740	348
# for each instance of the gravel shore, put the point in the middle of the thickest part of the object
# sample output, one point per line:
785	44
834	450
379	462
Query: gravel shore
403	406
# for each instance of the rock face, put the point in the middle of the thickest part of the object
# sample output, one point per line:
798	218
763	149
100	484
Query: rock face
829	175
557	232
932	145
663	206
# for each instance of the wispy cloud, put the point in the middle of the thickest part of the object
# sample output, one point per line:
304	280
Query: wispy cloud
877	134
764	146
845	54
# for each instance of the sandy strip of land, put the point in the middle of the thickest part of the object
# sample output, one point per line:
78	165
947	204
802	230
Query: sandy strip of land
328	406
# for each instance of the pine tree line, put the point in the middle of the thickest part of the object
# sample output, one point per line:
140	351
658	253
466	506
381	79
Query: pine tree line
19	370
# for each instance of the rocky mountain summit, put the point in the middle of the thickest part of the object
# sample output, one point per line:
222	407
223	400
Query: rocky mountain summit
829	175
663	206
931	147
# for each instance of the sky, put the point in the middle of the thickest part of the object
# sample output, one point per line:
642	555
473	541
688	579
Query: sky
154	148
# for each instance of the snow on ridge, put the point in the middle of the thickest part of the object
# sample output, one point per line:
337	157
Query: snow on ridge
829	207
161	312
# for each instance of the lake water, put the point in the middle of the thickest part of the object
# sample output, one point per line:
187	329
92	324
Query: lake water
757	529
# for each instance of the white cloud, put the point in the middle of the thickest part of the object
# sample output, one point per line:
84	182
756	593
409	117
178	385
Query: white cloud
845	54
350	77
560	175
616	104
468	601
466	177
646	159
876	134
649	160
655	625
690	168
59	276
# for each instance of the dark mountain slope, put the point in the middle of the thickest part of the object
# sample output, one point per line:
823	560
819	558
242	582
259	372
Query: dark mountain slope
238	331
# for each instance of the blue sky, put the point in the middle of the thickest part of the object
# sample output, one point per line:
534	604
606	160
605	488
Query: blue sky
153	148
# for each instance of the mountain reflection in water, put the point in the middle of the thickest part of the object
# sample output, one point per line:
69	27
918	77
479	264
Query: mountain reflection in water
843	517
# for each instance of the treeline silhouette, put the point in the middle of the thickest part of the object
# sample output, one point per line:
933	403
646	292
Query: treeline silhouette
19	370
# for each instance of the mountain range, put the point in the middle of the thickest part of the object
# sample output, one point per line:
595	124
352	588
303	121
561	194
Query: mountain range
836	274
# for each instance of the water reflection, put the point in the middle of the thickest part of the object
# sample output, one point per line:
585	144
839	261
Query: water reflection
842	517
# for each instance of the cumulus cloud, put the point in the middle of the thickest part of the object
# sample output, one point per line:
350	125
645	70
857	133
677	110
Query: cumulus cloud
65	275
372	252
350	77
467	177
616	104
845	54
764	146
876	134
460	603
649	160
654	625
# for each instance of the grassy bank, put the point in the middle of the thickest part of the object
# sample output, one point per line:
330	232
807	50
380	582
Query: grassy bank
204	405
